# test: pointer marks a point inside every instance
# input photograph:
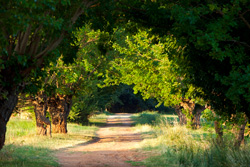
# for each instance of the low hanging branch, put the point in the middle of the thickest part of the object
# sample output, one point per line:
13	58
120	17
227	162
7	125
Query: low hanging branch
243	19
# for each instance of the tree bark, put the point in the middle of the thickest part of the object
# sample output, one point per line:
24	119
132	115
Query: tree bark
7	106
189	106
218	128
193	112
240	134
182	117
197	115
59	108
219	132
43	124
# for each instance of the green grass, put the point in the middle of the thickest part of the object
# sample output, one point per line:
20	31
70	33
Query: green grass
146	117
178	146
30	156
23	148
99	119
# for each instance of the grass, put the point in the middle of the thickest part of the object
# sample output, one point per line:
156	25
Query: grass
23	148
178	146
145	118
98	119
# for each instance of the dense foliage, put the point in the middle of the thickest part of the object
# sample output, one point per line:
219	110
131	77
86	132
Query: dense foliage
30	33
174	51
216	47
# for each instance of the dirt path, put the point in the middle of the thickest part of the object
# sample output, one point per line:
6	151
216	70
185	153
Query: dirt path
115	145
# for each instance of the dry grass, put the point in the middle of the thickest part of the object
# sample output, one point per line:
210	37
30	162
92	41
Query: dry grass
24	148
180	146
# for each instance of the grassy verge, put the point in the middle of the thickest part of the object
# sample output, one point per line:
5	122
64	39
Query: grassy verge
175	145
99	119
23	148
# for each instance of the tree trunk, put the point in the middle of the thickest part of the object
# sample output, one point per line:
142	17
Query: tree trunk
193	112
197	115
219	132
59	108
189	106
7	106
182	117
218	128
43	124
240	134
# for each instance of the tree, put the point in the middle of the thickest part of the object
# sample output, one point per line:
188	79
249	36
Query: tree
142	61
91	99
30	31
216	48
43	124
81	76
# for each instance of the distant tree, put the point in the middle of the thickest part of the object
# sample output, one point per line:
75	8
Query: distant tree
142	61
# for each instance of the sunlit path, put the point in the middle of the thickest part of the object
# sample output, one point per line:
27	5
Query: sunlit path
116	144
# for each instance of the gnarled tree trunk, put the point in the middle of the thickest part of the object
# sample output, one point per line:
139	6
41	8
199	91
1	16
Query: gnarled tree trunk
43	124
182	117
189	106
59	108
197	115
7	106
193	112
240	134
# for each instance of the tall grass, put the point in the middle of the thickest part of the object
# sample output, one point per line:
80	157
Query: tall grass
23	148
177	145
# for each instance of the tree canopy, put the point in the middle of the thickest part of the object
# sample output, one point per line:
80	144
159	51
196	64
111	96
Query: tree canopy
216	47
30	33
168	50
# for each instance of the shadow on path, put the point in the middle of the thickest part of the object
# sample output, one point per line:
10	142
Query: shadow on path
114	146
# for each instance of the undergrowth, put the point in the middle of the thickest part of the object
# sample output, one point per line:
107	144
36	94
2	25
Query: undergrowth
178	146
23	148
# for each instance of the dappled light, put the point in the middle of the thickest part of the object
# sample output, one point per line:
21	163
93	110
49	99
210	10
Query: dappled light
115	144
122	83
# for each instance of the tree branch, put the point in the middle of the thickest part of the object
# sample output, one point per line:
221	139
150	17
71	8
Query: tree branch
25	40
35	41
244	20
242	43
19	37
80	10
50	46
